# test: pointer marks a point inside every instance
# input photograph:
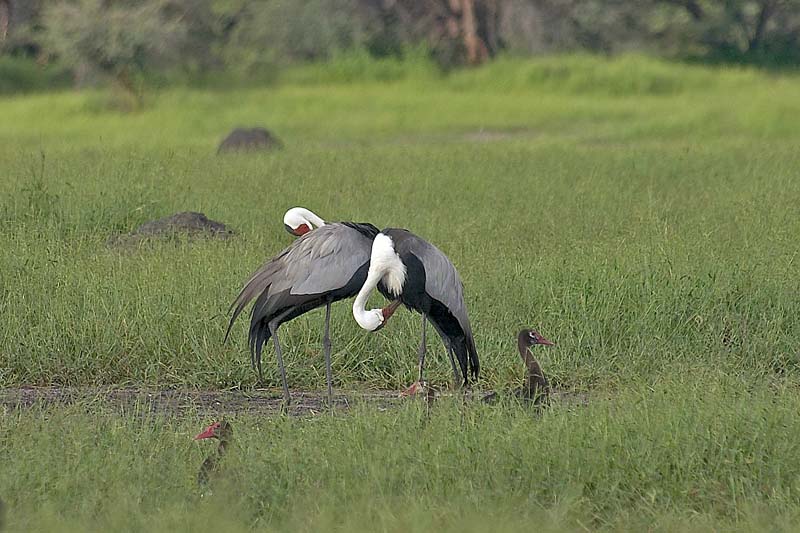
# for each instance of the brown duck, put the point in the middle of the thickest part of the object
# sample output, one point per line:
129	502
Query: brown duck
223	432
536	388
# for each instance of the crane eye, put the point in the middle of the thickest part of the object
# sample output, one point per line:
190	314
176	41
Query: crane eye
532	334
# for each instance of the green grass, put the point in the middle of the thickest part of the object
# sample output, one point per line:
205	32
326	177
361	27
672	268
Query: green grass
643	215
719	456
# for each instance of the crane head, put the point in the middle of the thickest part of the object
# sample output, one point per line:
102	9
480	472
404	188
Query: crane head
298	221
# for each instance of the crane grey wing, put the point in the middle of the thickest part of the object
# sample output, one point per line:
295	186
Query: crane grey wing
330	263
322	260
442	281
442	285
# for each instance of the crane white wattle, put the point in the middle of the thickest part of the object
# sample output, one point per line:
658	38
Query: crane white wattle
386	266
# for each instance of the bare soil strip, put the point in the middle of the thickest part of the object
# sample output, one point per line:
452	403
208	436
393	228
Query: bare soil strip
179	401
267	402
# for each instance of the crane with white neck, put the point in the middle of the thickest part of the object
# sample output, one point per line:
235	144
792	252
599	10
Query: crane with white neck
420	276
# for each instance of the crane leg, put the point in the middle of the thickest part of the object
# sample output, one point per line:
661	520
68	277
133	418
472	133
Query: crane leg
456	373
419	385
423	346
273	328
326	345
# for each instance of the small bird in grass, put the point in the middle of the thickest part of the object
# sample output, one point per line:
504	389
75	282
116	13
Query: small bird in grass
223	432
424	389
536	388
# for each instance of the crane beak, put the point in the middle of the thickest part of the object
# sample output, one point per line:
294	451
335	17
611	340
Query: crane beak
387	312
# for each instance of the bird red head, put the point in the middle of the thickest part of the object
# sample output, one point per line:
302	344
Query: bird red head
211	432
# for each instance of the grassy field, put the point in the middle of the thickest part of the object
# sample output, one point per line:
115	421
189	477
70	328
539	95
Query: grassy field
643	215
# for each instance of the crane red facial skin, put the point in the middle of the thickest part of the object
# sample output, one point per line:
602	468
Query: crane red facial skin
209	433
301	230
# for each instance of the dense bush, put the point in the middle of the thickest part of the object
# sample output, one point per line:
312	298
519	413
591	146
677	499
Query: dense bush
21	75
124	40
116	39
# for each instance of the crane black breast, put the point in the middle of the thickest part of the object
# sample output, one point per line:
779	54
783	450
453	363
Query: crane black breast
416	297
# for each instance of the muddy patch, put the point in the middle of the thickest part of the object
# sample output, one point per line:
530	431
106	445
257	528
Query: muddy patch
179	401
264	402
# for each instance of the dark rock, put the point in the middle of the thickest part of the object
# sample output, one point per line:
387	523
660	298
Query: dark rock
188	223
243	139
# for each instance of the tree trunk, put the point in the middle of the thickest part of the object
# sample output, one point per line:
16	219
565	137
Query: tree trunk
5	18
476	49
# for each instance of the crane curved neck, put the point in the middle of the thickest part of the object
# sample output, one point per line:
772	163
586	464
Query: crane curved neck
384	266
313	218
360	313
297	214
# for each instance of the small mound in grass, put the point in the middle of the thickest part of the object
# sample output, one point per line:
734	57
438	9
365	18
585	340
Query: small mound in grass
252	139
188	224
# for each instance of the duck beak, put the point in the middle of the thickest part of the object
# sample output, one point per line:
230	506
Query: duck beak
545	342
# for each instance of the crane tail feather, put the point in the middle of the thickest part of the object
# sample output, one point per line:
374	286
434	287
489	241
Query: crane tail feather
474	363
467	356
259	335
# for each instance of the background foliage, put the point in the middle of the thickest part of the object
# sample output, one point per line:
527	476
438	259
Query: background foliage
194	39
